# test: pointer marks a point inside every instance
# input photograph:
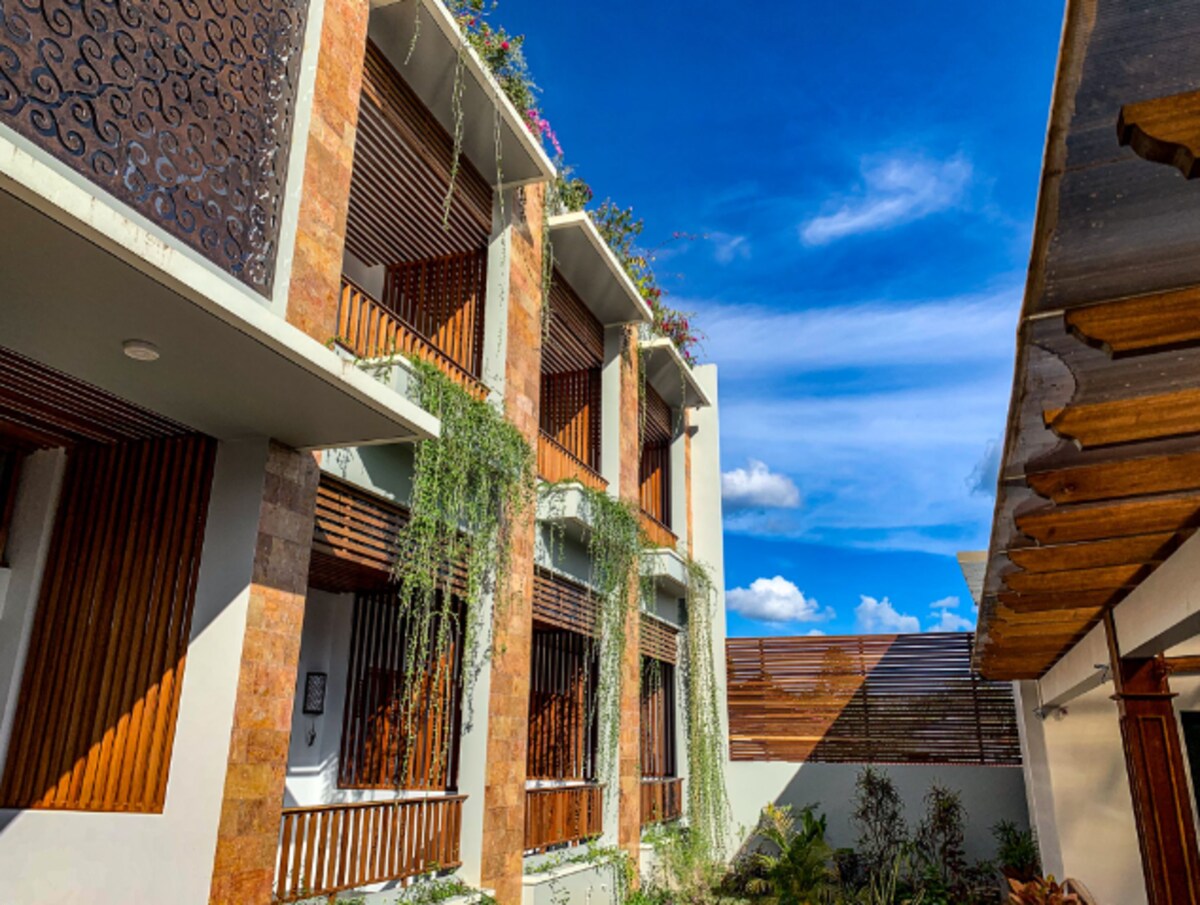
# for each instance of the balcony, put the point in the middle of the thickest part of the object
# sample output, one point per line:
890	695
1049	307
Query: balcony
662	800
657	535
330	848
562	815
556	463
370	330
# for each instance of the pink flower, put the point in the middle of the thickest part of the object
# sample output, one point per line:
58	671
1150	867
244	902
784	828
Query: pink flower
504	45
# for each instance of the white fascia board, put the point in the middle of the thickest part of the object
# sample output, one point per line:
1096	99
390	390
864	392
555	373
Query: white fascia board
590	266
428	58
670	375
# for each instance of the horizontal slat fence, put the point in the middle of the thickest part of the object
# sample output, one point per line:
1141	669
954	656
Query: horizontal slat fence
867	699
662	800
330	848
658	639
562	603
95	722
562	815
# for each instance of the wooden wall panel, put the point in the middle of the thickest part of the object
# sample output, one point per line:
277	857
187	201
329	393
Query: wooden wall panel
396	735
655	487
96	718
867	699
566	604
658	639
570	413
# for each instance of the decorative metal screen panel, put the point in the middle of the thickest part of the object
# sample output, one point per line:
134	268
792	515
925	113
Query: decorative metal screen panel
181	109
867	699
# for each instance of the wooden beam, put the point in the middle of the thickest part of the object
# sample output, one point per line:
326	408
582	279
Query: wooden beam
1143	323
1099	521
1127	420
1145	548
1113	480
1164	130
1183	666
1103	578
1038	603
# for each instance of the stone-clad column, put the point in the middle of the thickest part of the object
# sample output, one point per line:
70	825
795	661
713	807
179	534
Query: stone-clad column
248	833
329	159
508	699
629	828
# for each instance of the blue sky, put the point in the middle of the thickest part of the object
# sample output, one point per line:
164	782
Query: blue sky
866	176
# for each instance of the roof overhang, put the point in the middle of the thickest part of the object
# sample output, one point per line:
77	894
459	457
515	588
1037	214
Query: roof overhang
1100	477
670	375
589	265
229	368
425	44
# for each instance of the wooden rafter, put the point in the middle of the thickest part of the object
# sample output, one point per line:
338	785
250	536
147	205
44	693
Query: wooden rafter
1102	578
1104	520
1121	478
1128	420
1144	323
1044	602
1164	130
1141	549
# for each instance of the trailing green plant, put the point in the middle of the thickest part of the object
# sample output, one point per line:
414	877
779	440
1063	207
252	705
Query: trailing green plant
471	484
436	891
685	870
707	799
616	860
1016	852
879	816
795	863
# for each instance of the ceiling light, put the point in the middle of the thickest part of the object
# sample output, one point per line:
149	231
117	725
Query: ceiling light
140	350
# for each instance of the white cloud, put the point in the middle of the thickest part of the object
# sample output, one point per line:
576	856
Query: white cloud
879	617
895	190
984	478
757	487
776	600
946	603
951	622
814	633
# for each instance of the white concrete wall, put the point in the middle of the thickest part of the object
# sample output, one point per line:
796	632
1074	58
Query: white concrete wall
990	794
55	857
572	884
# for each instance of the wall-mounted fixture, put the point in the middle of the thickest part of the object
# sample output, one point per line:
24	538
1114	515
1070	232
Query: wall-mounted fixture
314	693
140	350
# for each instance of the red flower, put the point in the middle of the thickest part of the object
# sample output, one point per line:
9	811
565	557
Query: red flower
504	45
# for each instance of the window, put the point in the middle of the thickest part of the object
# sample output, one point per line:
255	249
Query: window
658	718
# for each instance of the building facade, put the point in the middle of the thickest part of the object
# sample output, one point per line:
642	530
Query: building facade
208	436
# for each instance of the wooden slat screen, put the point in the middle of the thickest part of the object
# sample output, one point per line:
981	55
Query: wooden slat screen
657	426
556	463
562	706
657	718
372	331
389	741
574	338
442	300
867	699
570	413
95	722
656	482
662	800
326	849
658	639
354	540
561	816
402	163
562	603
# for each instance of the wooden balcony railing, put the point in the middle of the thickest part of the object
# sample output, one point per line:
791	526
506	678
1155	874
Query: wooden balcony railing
557	463
662	800
562	815
657	534
329	848
369	330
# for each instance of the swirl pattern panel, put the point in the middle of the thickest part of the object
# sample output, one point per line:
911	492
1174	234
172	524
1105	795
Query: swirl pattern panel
182	109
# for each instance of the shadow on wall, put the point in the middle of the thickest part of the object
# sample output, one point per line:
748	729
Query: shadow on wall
989	794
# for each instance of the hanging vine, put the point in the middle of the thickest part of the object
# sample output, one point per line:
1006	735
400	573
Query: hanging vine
470	486
707	799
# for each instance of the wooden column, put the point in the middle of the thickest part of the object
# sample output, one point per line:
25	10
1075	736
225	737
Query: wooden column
1162	805
508	699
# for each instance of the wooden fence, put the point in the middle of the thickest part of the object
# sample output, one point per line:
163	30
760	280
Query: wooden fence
557	463
867	699
662	800
562	815
329	848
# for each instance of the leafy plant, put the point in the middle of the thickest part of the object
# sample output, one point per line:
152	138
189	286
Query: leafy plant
796	868
708	801
1044	891
470	486
1016	852
686	871
886	887
940	846
879	816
